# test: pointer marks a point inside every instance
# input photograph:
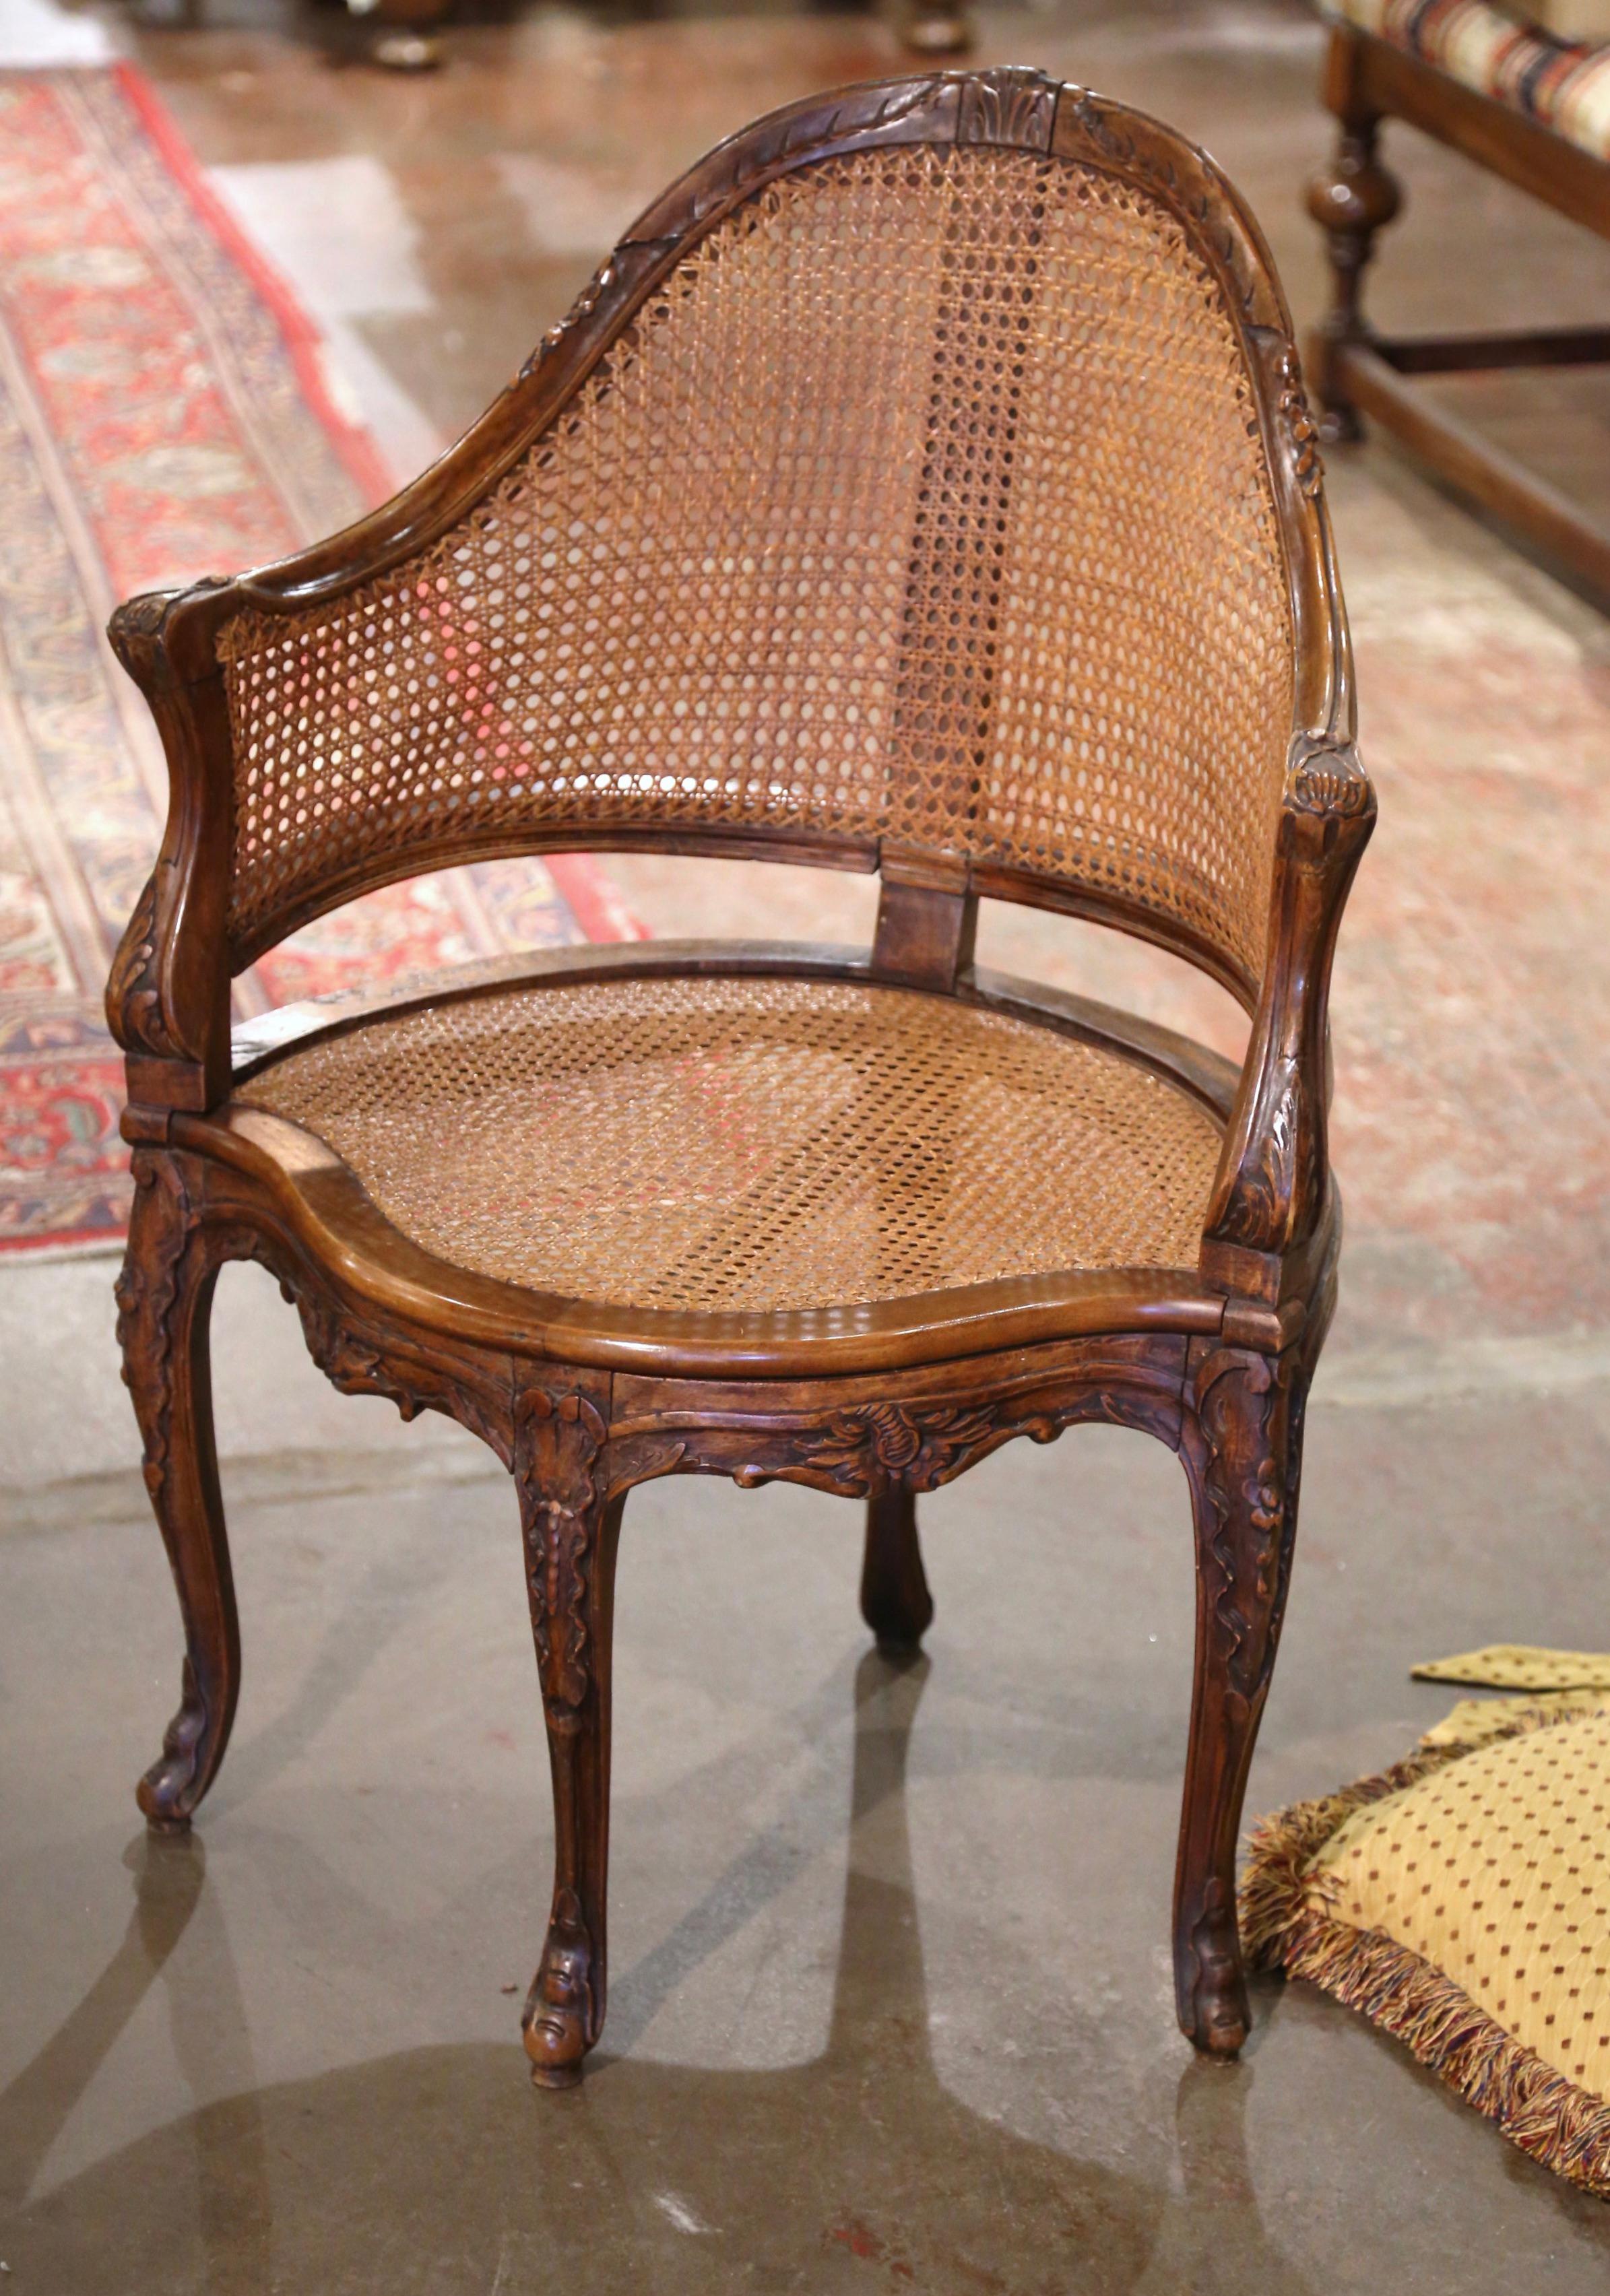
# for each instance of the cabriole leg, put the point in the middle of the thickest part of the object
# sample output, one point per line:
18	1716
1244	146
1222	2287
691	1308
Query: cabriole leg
570	1538
895	1601
1241	1447
165	1301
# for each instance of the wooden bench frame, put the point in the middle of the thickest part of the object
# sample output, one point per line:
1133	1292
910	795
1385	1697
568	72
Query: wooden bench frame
1355	371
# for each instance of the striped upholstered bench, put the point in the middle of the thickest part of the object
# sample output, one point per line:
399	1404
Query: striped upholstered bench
1531	105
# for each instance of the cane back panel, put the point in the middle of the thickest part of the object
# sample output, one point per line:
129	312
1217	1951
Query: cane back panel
924	501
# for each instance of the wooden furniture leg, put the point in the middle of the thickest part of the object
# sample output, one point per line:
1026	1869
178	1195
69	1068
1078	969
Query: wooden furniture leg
895	1601
1241	1449
1358	372
937	27
1351	203
164	1301
572	1532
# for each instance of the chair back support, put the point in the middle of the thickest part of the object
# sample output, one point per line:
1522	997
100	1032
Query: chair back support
926	502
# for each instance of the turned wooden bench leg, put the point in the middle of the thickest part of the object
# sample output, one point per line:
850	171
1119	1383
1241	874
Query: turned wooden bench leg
571	1533
895	1601
936	27
1350	201
164	1301
1243	1449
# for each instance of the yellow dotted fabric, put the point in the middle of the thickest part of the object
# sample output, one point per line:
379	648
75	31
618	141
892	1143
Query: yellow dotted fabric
1475	1720
752	1144
1495	1870
1519	1665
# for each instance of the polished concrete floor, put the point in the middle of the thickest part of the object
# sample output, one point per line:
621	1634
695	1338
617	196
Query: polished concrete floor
890	2006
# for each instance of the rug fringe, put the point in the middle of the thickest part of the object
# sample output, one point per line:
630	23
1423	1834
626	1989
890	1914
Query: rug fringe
1286	1924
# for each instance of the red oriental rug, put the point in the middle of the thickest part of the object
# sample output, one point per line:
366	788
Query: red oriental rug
163	415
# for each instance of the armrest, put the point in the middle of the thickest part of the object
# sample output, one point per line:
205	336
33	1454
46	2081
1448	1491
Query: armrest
1272	1193
168	996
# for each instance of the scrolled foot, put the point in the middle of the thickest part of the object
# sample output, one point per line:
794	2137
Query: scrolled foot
558	2022
1215	2015
1223	2018
172	1787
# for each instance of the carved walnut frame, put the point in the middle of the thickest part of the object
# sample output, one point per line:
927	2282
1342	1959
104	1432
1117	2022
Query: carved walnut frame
876	1404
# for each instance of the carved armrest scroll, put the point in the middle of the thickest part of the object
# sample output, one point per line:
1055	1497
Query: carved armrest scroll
168	996
1273	1185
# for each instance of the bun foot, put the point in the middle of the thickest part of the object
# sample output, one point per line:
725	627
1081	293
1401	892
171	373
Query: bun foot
559	2024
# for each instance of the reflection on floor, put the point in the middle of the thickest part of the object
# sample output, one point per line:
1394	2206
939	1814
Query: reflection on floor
916	2029
868	2120
290	2061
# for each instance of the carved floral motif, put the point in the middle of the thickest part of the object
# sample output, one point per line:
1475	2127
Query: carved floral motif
133	993
1239	1404
137	625
876	1443
1267	1181
369	1358
583	307
1300	429
557	1439
1326	778
863	1449
147	1291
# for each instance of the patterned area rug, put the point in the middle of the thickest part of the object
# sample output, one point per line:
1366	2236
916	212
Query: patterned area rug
163	415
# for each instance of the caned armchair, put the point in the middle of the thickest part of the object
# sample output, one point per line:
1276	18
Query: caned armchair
924	485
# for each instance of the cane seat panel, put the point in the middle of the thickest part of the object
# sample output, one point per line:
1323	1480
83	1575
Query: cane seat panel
735	1144
924	501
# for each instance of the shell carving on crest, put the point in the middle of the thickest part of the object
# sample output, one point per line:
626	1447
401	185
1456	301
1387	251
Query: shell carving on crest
1009	107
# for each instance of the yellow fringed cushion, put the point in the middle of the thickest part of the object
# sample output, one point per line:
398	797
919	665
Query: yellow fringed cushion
1520	1666
1473	1721
1462	1902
